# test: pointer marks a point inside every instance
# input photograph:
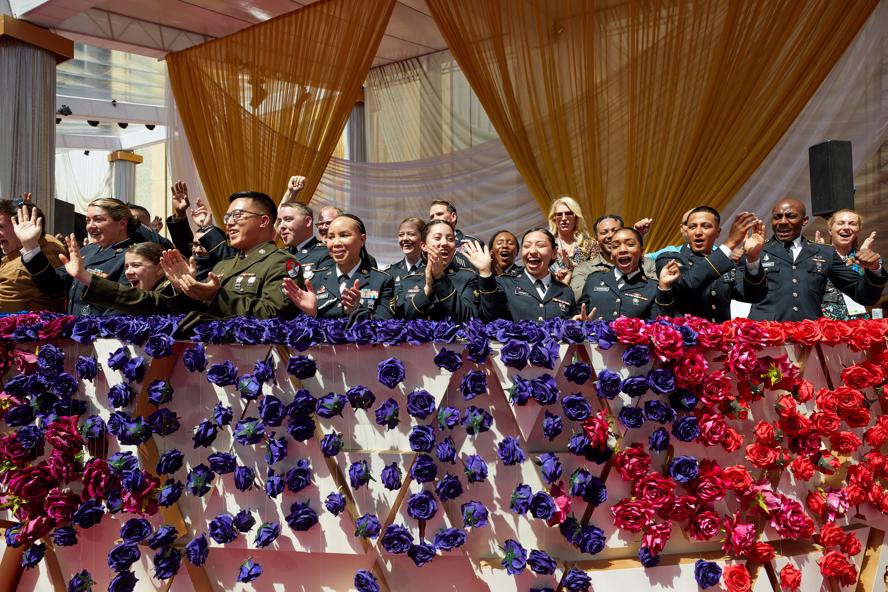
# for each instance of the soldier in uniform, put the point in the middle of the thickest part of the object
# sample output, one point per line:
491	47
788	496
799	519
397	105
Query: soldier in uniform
350	287
626	290
444	289
533	293
110	225
798	270
249	284
18	291
504	250
208	245
296	229
444	210
604	228
710	279
410	241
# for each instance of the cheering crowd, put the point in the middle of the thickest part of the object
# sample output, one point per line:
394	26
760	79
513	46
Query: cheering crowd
571	269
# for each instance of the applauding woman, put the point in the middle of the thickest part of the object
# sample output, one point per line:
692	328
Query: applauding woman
447	290
351	287
533	294
844	231
574	243
625	290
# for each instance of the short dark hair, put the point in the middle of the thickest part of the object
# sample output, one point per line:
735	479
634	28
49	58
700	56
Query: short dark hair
704	210
299	207
10	207
265	203
545	231
133	206
148	250
604	217
444	202
418	222
636	233
432	223
497	233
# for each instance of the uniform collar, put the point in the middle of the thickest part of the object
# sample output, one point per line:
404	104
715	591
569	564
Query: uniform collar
618	275
351	272
546	279
258	250
307	243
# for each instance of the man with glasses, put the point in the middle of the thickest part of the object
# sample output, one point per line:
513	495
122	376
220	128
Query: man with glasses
18	291
325	216
248	284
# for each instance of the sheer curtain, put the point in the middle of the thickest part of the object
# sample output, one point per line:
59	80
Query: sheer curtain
644	107
81	178
272	100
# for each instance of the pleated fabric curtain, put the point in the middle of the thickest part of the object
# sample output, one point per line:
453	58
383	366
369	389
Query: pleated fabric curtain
271	101
644	108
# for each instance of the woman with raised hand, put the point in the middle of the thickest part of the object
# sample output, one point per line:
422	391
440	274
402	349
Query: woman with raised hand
504	250
142	266
533	293
351	287
110	226
844	229
574	244
447	290
625	290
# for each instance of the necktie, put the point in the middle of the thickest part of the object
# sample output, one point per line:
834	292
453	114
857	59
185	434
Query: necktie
541	288
788	246
344	283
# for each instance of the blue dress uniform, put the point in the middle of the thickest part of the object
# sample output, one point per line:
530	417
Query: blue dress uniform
524	303
106	263
377	293
708	283
313	255
399	270
638	297
460	294
796	287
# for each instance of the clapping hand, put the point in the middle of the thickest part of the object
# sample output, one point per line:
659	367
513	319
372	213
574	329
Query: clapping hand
743	223
479	256
818	238
350	298
73	262
200	213
205	290
868	259
176	268
28	227
306	300
157	224
179	192
669	274
643	226
754	243
564	276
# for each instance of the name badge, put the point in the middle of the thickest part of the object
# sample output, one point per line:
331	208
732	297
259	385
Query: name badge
601	289
521	292
768	263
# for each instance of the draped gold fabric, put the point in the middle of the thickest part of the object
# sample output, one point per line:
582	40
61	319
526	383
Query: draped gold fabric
644	107
271	101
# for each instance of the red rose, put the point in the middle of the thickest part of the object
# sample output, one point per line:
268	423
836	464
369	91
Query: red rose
826	422
833	564
831	535
791	521
667	341
765	434
732	441
750	333
632	515
804	391
53	329
742	359
656	535
11	450
654	489
851	545
834	332
30	483
710	488
844	442
857	418
60	505
35	528
716	389
632	462
826	400
795	424
690	370
597	430
760	552
704	525
630	330
63	436
861	376
736	579
878	434
790	577
802	468
738	478
682	507
804	332
62	468
98	480
712	428
709	335
761	456
855	493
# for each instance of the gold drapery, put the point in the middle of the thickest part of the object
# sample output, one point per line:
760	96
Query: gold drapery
272	100
644	108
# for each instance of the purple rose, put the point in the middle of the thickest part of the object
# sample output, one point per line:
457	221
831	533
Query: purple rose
33	555
391	476
448	488
576	407
366	581
474	383
448	417
335	503
449	539
474	514
686	429
608	384
421	553
544	389
222	415
122	556
509	451
550	467
448	359
420	403
330	405
658	441
275	449
160	392
118	358
249	571
159	346
544	353
248	387
224	374
576	580
301	517
542	506
514	354
266	534
88	514
658	411
387	414
80	582
331	444
422	505
684	469
134	369
164	535
631	417
367	526
87	368
170	462
299	477
390	372
591	539
360	397
397	539
170	493
637	355
64	536
301	367
707	573
477	347
359	474
163	422
244	521
120	395
249	431
647	558
661	380
272	410
124	581
520	500
204	433
301	428
514	557
423	469
477	420
683	400
195	358
446	451
199	480
475	468
520	392
166	563
422	438
635	386
552	426
578	372
541	563
244	478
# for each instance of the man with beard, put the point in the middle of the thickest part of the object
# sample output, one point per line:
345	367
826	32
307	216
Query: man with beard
710	279
604	229
798	270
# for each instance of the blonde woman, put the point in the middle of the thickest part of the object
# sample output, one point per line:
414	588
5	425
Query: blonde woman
844	229
574	243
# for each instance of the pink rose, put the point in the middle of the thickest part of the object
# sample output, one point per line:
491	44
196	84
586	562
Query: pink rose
690	370
61	504
667	341
791	520
98	480
740	537
656	535
25	362
63	436
742	359
562	504
62	468
597	430
704	525
632	515
143	501
630	330
30	483
35	528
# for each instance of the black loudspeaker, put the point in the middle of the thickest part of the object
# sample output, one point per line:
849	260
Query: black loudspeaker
64	217
832	177
79	227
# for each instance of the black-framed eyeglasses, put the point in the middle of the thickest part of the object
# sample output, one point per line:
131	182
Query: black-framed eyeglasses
236	215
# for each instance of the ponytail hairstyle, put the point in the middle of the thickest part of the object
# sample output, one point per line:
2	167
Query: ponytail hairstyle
365	256
118	211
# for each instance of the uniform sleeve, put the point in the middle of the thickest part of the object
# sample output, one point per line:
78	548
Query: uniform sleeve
696	277
664	304
865	289
270	302
143	234
384	310
491	299
573	309
48	279
216	244
105	293
753	287
578	279
180	232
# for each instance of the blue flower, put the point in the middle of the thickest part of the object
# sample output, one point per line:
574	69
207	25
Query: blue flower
135	530
87	368
248	387
391	476
159	346
686	429
301	367
244	478
366	581
448	359
422	505
658	441
249	571
33	555
542	506
684	469
448	488
707	573
359	474
163	536
446	451
476	420
477	346
263	370
275	449
637	355
249	431
576	407
520	501
360	397
631	417
301	517
367	526
544	353
387	414
331	444
550	466
88	514
120	395
420	403
166	563
514	557
509	451
197	550
658	411
591	539
647	558
390	372
134	369
422	438
541	563
448	417
474	514
635	386
195	358
163	422
544	390
423	469
576	580
222	415
330	405
396	539
118	358
122	556
578	372
661	380
123	461
224	374
204	434
160	392
608	384
80	582
267	533
299	477
449	539
301	428
272	410
170	493
514	354
199	480
124	581
683	400
475	468
421	553
474	383
520	391
64	536
170	462
335	503
552	426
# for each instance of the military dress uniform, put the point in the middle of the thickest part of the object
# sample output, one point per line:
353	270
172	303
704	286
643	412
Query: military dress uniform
460	294
377	293
637	297
251	286
524	303
312	255
105	262
708	283
796	286
598	263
